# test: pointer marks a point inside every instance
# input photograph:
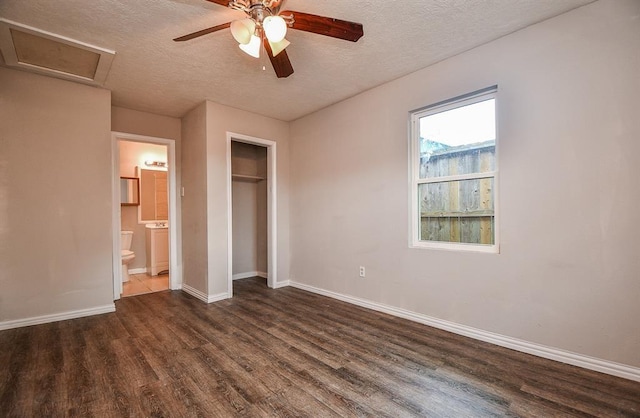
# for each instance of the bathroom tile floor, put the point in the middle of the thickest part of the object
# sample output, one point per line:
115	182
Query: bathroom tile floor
140	284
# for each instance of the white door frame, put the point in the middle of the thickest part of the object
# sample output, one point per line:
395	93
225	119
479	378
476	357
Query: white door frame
272	212
175	274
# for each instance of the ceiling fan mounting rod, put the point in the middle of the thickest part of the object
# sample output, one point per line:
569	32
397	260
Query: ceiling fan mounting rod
254	8
258	10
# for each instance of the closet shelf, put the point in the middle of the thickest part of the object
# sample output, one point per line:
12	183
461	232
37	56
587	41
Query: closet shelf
246	177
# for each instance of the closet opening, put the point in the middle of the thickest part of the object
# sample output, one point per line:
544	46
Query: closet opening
252	213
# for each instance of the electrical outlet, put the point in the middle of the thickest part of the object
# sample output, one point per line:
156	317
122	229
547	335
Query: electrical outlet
362	271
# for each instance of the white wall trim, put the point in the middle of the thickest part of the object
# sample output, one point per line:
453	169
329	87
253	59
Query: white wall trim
175	278
115	218
194	292
45	319
139	270
239	276
285	283
272	207
568	357
218	297
203	296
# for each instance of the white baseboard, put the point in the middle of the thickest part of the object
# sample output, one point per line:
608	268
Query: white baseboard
44	319
203	296
218	297
278	285
194	292
591	363
239	276
139	270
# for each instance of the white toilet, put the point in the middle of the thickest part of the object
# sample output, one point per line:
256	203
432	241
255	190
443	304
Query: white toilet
126	253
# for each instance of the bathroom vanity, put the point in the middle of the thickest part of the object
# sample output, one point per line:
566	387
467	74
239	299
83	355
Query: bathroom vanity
157	238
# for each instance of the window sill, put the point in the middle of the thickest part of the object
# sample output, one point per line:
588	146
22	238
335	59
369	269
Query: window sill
459	247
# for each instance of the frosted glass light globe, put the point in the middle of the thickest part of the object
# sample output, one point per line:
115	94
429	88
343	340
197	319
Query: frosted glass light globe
242	30
278	47
252	47
275	28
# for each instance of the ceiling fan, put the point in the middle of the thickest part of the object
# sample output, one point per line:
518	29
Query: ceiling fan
267	25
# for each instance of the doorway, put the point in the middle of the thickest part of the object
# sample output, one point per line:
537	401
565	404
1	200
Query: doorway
149	158
253	177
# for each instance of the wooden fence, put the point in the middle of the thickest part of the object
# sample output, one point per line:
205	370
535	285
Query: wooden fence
462	210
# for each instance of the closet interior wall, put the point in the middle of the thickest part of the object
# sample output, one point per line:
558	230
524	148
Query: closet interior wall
249	209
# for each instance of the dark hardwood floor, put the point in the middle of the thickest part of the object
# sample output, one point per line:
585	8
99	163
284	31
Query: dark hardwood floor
282	352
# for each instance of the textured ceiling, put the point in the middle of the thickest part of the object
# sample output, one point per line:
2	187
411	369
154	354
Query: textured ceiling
152	73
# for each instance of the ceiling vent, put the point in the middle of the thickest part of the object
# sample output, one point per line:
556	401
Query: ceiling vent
46	53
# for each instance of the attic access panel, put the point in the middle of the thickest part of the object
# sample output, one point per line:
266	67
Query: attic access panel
46	53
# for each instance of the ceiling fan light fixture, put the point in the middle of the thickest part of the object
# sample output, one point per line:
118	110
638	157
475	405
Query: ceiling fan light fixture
266	26
252	47
242	30
275	28
278	47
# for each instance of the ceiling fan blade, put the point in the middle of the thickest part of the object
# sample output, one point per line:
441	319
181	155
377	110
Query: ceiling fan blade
224	3
328	26
281	63
203	32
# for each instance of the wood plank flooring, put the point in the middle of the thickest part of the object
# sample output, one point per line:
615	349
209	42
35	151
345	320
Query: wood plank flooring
284	352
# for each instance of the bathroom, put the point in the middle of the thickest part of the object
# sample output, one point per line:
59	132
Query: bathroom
144	214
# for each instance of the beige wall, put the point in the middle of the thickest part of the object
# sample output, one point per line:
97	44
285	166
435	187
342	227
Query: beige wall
205	148
143	123
194	201
567	274
134	154
149	124
220	120
249	214
245	227
55	196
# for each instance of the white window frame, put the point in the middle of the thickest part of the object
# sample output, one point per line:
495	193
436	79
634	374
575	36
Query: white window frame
415	180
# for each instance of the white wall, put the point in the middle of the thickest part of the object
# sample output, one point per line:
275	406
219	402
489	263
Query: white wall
55	197
567	275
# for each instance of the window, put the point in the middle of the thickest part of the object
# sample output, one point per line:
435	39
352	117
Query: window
454	174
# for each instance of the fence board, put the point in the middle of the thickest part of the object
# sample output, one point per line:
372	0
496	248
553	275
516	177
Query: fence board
458	211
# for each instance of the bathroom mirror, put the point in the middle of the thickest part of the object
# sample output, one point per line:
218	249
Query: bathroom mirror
129	191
